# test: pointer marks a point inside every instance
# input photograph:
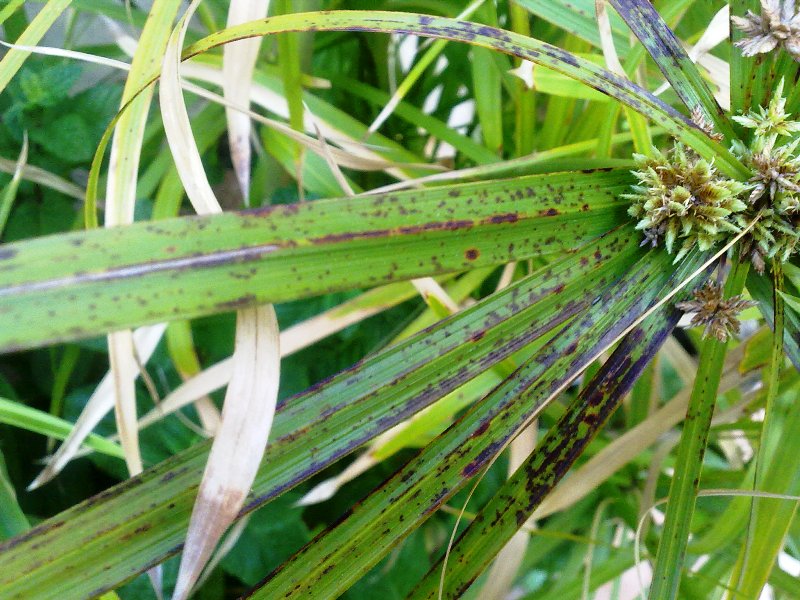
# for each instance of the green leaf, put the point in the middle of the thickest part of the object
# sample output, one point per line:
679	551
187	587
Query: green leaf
31	419
97	545
689	461
487	88
92	282
518	498
13	58
346	551
668	53
12	519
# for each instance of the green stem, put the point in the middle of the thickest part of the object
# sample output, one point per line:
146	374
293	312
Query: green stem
741	569
525	127
289	58
689	461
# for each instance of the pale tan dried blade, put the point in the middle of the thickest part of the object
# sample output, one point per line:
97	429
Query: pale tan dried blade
607	39
326	153
121	181
225	546
45	178
238	63
73	54
252	392
524	72
718	31
206	381
719	72
124	371
98	406
178	128
274	102
428	287
341	157
124	42
507	276
239	445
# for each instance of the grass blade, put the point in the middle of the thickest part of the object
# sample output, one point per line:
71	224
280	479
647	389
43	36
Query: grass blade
252	393
671	58
238	63
10	193
192	266
239	442
497	39
519	497
335	419
342	554
41	23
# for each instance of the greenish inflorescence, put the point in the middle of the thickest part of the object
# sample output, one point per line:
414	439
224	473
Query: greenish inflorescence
682	201
682	197
775	185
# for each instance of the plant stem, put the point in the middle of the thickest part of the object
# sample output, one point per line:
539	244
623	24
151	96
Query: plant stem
744	574
689	461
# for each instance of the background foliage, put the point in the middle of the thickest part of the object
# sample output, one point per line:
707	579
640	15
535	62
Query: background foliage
549	358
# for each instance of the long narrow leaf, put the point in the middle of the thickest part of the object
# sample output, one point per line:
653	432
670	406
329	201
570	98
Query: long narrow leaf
343	553
80	284
513	504
691	449
13	59
238	62
251	396
672	59
497	39
311	431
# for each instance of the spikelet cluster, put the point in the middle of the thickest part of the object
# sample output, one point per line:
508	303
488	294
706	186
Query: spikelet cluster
775	184
712	311
682	201
778	26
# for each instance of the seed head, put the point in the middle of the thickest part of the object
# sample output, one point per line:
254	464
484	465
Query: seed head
682	196
778	25
699	118
772	235
774	185
769	123
718	315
